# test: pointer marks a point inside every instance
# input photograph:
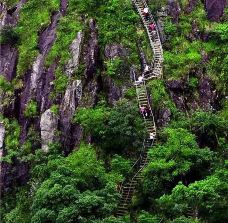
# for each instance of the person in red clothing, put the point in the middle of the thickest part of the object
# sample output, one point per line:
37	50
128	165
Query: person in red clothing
152	27
142	110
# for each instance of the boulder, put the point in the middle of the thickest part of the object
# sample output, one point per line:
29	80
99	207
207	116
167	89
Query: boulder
191	5
114	92
164	116
10	16
176	89
207	95
63	6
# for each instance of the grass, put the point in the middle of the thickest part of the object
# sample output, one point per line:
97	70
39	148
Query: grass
34	16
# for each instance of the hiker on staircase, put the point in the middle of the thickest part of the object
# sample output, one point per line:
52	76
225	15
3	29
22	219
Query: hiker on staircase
140	80
146	13
146	69
152	27
142	110
152	135
147	112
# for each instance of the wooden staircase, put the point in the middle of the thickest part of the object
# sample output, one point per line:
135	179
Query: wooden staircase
128	187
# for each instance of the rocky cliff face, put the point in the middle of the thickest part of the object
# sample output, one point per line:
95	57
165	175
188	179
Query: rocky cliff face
38	84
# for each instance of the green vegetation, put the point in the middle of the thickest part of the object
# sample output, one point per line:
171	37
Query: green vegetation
83	188
9	35
5	85
11	2
75	188
160	96
12	143
39	14
69	24
60	82
206	198
113	129
115	67
31	109
185	180
55	109
173	160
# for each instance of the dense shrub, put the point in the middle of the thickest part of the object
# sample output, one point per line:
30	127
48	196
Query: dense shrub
9	35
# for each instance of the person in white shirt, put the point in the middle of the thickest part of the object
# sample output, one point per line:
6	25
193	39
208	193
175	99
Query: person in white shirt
152	135
146	13
140	80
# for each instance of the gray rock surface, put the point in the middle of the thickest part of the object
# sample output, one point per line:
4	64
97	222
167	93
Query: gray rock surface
75	49
215	9
115	50
164	116
48	35
174	9
191	5
37	69
91	52
2	134
10	16
176	89
114	92
48	127
8	55
63	6
207	95
68	106
162	14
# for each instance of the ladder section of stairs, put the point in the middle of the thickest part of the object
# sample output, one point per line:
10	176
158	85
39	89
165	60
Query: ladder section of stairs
127	189
156	65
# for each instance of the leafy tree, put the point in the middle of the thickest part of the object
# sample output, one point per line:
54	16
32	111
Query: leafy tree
78	190
120	165
145	217
160	97
174	160
116	67
205	199
112	219
222	31
210	126
184	219
20	212
117	128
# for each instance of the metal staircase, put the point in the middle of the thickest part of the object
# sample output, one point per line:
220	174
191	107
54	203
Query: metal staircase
155	43
128	187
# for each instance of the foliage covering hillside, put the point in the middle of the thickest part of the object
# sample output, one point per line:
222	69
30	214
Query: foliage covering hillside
186	178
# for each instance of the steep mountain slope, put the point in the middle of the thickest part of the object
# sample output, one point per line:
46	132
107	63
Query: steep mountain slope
70	128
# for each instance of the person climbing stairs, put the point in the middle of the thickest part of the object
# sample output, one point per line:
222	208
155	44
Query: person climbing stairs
127	188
